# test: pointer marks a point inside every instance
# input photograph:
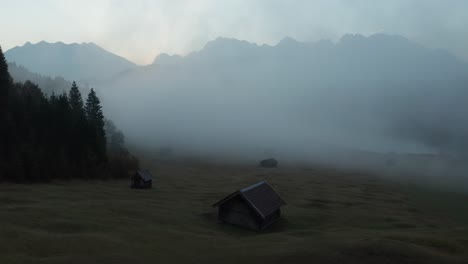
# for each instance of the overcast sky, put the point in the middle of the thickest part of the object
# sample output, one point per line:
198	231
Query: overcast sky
141	29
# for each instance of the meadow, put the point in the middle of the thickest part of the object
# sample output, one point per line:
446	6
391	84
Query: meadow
332	216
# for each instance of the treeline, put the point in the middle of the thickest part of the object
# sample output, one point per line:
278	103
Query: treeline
61	136
47	84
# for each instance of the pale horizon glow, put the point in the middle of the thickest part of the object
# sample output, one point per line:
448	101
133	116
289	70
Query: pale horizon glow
139	30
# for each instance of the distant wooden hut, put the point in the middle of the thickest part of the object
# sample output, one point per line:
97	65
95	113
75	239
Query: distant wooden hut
255	207
142	179
269	163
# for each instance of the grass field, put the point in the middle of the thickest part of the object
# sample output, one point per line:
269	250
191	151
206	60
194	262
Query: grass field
332	217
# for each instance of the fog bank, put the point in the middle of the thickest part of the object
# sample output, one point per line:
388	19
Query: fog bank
297	101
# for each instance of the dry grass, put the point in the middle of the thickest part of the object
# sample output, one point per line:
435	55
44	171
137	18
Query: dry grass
332	217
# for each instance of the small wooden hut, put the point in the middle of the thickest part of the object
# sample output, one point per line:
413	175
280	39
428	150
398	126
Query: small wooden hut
255	207
269	163
142	179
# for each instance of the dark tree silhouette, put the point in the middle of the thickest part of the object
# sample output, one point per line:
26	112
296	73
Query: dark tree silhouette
97	133
120	159
44	138
79	145
115	138
47	84
5	78
5	86
76	102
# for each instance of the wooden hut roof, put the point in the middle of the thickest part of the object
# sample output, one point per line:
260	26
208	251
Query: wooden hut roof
260	196
145	175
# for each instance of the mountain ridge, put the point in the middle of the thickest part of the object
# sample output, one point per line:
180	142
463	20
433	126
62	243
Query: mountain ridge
357	91
74	61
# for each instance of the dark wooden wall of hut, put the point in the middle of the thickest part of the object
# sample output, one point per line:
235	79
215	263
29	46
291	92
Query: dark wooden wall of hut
270	219
237	212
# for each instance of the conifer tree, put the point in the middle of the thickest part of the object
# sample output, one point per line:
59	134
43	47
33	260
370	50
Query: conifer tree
63	121
5	83
5	78
97	134
5	125
78	144
115	138
76	102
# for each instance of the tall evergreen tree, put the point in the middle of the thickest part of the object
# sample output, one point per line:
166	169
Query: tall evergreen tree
5	83
76	102
97	133
78	144
5	78
63	118
5	123
115	138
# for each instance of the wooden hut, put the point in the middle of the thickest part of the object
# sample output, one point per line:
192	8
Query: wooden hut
255	207
142	179
269	163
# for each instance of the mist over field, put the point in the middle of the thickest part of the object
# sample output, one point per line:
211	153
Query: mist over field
379	77
380	102
297	101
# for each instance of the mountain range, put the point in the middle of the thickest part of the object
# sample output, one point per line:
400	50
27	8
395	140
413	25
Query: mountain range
79	62
381	92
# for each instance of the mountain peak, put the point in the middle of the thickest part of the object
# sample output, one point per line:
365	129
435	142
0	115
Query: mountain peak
74	61
228	43
42	42
166	59
58	43
352	38
224	40
286	41
90	44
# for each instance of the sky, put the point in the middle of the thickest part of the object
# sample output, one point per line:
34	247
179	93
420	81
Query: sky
139	30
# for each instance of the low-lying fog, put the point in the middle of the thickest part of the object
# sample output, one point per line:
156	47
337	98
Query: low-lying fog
328	102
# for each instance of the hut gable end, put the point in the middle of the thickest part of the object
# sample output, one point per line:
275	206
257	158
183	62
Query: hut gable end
237	204
142	179
254	207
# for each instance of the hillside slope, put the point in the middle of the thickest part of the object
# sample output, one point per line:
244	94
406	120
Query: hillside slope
85	61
